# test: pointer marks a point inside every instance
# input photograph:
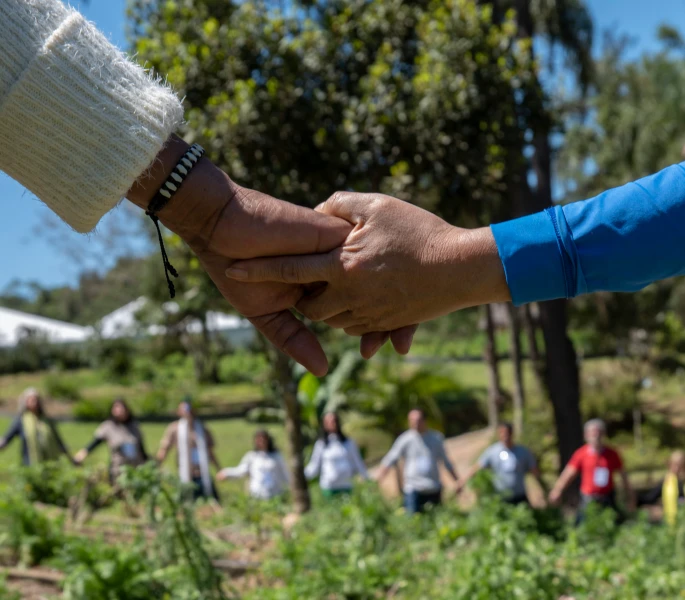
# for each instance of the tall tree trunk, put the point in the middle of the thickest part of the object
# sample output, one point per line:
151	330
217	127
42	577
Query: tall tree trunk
287	390
562	378
516	362
560	358
533	350
561	366
492	366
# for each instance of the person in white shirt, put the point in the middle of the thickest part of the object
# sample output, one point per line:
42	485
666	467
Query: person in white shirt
264	466
335	459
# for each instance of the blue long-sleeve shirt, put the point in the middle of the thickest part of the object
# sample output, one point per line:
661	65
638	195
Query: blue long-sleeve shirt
622	240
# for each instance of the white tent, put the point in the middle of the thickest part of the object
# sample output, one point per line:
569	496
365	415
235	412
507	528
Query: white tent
15	325
123	323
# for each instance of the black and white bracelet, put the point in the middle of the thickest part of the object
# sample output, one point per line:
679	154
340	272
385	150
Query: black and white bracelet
162	197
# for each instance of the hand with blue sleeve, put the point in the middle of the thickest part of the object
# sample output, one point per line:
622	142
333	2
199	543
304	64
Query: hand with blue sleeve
400	265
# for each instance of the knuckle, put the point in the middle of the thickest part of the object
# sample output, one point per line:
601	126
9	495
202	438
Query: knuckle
315	313
289	271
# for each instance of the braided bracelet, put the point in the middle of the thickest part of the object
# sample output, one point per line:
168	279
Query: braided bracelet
162	197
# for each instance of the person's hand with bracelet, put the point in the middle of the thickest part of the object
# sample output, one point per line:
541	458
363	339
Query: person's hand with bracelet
222	222
79	122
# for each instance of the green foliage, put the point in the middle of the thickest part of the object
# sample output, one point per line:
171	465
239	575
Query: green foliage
389	390
97	571
178	542
6	593
91	409
417	99
613	401
172	563
57	483
61	387
364	549
30	535
33	353
116	358
153	402
243	366
95	296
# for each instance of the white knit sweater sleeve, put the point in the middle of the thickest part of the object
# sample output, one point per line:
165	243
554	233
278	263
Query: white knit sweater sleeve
79	122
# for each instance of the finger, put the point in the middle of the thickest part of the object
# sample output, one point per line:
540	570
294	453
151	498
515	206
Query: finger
402	338
322	306
290	336
350	206
343	320
285	269
288	228
372	343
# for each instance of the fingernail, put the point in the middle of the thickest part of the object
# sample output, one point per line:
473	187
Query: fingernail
235	273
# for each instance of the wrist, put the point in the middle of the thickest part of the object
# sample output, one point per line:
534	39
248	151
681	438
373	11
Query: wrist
473	269
200	200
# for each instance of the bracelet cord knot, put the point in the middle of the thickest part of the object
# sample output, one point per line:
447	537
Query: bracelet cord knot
162	198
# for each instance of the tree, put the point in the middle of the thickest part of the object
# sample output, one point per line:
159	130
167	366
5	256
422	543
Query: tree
517	364
635	127
564	23
492	365
286	389
414	98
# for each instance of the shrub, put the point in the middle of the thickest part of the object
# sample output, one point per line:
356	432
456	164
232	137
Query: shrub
89	409
154	402
58	483
243	366
61	387
28	533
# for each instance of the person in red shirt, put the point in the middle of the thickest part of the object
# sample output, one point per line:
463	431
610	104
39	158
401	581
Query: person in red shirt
597	465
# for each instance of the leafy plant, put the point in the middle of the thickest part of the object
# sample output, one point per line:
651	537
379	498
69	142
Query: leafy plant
177	542
58	483
28	533
97	571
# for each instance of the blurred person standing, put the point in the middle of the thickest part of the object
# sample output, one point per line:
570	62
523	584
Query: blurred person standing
264	466
597	464
509	464
195	450
335	459
670	491
123	437
422	450
40	440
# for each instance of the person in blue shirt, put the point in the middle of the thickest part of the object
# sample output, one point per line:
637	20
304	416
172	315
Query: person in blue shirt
509	464
402	265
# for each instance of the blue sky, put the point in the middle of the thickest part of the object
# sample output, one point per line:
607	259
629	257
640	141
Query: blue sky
24	244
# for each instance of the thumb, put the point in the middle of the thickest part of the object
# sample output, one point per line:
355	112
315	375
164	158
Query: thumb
256	224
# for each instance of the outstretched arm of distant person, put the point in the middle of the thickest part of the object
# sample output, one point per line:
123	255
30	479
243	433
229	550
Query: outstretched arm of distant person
402	265
13	431
567	476
80	123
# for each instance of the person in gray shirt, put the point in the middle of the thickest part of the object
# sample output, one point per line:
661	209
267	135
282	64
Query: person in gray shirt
509	464
422	449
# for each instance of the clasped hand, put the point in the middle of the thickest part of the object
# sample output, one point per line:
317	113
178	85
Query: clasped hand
398	266
380	265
